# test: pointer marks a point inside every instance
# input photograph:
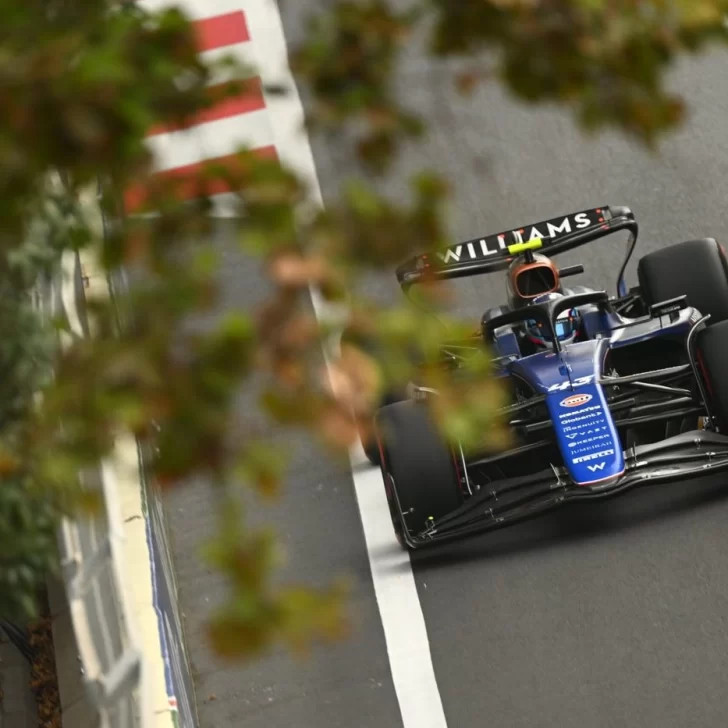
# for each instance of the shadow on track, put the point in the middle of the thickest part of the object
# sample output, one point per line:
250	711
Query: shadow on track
580	522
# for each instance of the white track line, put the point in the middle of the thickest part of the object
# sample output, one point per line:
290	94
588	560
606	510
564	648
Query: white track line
394	585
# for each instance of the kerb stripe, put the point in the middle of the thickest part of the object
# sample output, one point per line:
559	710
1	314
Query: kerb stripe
189	187
250	98
221	31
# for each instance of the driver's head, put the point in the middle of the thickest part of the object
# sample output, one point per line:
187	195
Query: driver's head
532	276
567	324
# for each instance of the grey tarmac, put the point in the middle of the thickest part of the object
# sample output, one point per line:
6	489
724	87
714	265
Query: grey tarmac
598	616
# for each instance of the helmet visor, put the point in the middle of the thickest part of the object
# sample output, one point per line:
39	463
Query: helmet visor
566	326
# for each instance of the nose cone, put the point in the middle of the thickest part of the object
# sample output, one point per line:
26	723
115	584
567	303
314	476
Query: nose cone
586	434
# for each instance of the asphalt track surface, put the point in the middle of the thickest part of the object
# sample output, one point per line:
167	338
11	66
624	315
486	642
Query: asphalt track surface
606	615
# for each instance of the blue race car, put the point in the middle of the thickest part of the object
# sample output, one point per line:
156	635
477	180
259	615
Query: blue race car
608	392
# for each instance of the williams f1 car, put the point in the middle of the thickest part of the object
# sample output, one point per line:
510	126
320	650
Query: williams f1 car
608	392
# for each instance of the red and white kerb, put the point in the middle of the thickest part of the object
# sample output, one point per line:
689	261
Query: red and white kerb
215	134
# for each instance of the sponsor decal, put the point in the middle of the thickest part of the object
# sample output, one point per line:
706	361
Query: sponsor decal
593	456
588	440
484	248
578	382
598	466
594	438
578	419
575	400
580	448
581	411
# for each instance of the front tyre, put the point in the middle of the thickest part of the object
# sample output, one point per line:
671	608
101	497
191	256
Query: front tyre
417	465
712	354
368	439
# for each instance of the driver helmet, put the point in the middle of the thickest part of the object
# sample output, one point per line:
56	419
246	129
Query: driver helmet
566	325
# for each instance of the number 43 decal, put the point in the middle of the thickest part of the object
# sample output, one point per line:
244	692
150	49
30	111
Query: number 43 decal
578	382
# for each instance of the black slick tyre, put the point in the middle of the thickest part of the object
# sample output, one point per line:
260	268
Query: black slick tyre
368	439
417	465
712	356
696	268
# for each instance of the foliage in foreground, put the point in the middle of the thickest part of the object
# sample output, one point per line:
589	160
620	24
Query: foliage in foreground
83	82
43	676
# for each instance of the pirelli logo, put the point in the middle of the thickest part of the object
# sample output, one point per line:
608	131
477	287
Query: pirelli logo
593	456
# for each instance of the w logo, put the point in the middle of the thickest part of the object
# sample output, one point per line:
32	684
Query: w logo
594	468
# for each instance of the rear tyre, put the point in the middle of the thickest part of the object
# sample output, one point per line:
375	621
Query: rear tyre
416	464
712	350
696	268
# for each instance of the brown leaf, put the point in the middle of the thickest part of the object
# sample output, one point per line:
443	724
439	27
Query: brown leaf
337	427
290	372
137	245
355	379
234	638
9	464
292	270
466	82
299	332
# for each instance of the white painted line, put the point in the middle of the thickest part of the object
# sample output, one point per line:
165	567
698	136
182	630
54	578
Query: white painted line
405	631
210	140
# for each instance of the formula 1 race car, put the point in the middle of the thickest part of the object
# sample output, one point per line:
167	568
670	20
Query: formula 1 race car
608	392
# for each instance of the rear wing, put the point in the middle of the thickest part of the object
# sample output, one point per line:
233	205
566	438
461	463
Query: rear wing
491	253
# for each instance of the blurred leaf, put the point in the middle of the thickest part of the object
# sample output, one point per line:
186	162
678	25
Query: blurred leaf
262	464
83	84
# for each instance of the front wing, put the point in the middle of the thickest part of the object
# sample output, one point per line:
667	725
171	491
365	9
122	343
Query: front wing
688	455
